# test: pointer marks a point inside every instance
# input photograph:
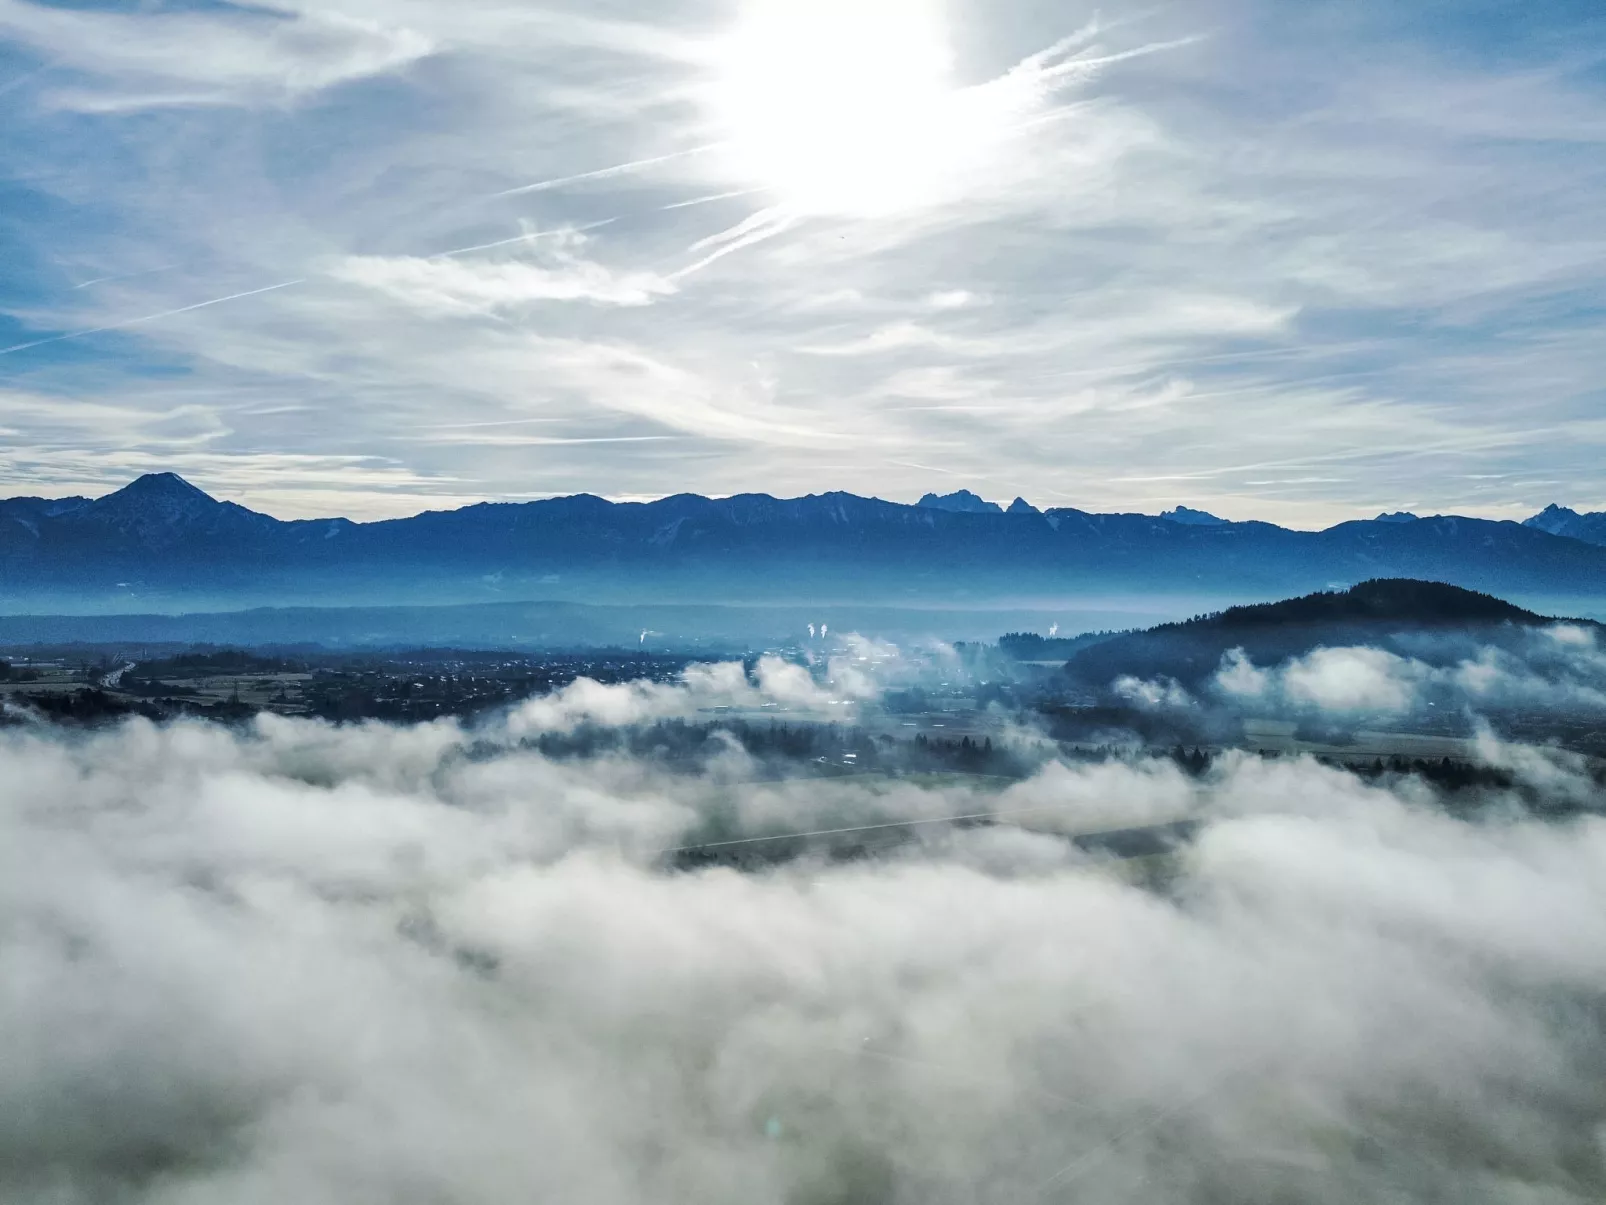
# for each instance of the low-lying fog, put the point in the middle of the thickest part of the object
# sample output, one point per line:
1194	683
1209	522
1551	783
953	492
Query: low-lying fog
339	965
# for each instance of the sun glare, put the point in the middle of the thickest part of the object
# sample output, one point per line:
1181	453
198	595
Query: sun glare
840	106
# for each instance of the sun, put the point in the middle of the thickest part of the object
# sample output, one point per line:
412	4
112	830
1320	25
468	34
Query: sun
844	107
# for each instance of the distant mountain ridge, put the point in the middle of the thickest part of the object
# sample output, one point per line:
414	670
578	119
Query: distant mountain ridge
1186	514
160	543
962	502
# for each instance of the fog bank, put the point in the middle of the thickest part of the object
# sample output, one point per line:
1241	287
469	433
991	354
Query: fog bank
374	964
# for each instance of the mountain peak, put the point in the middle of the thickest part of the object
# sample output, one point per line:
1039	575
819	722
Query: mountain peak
1194	518
162	510
963	501
162	485
1397	516
1022	507
1557	520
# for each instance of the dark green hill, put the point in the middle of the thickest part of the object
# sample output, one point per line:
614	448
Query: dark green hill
1385	612
1382	600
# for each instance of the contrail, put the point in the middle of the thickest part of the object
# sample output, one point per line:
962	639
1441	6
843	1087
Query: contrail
1077	65
501	422
1058	49
284	284
929	468
100	280
603	173
716	196
753	222
765	224
524	238
117	326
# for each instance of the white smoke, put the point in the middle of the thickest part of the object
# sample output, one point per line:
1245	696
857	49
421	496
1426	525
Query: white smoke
338	964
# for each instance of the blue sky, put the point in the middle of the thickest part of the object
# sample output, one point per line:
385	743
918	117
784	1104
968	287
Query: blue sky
1300	262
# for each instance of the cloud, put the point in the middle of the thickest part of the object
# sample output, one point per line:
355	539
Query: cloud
1557	668
1351	679
1239	678
857	671
702	687
314	962
456	286
1151	693
233	56
83	423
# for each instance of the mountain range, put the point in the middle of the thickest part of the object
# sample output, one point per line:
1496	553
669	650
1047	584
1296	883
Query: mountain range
160	543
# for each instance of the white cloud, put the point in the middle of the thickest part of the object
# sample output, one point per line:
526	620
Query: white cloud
858	670
457	286
1352	679
1151	693
233	56
316	962
777	683
1239	677
1558	667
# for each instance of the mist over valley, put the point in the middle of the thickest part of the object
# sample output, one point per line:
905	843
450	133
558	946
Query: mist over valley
828	923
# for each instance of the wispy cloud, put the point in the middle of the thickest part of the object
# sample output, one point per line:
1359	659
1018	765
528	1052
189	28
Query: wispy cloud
466	286
232	56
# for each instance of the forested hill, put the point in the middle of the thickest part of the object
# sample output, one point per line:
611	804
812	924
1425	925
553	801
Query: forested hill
1429	618
1381	600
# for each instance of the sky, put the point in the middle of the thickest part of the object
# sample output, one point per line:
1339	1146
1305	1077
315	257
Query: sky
1298	262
